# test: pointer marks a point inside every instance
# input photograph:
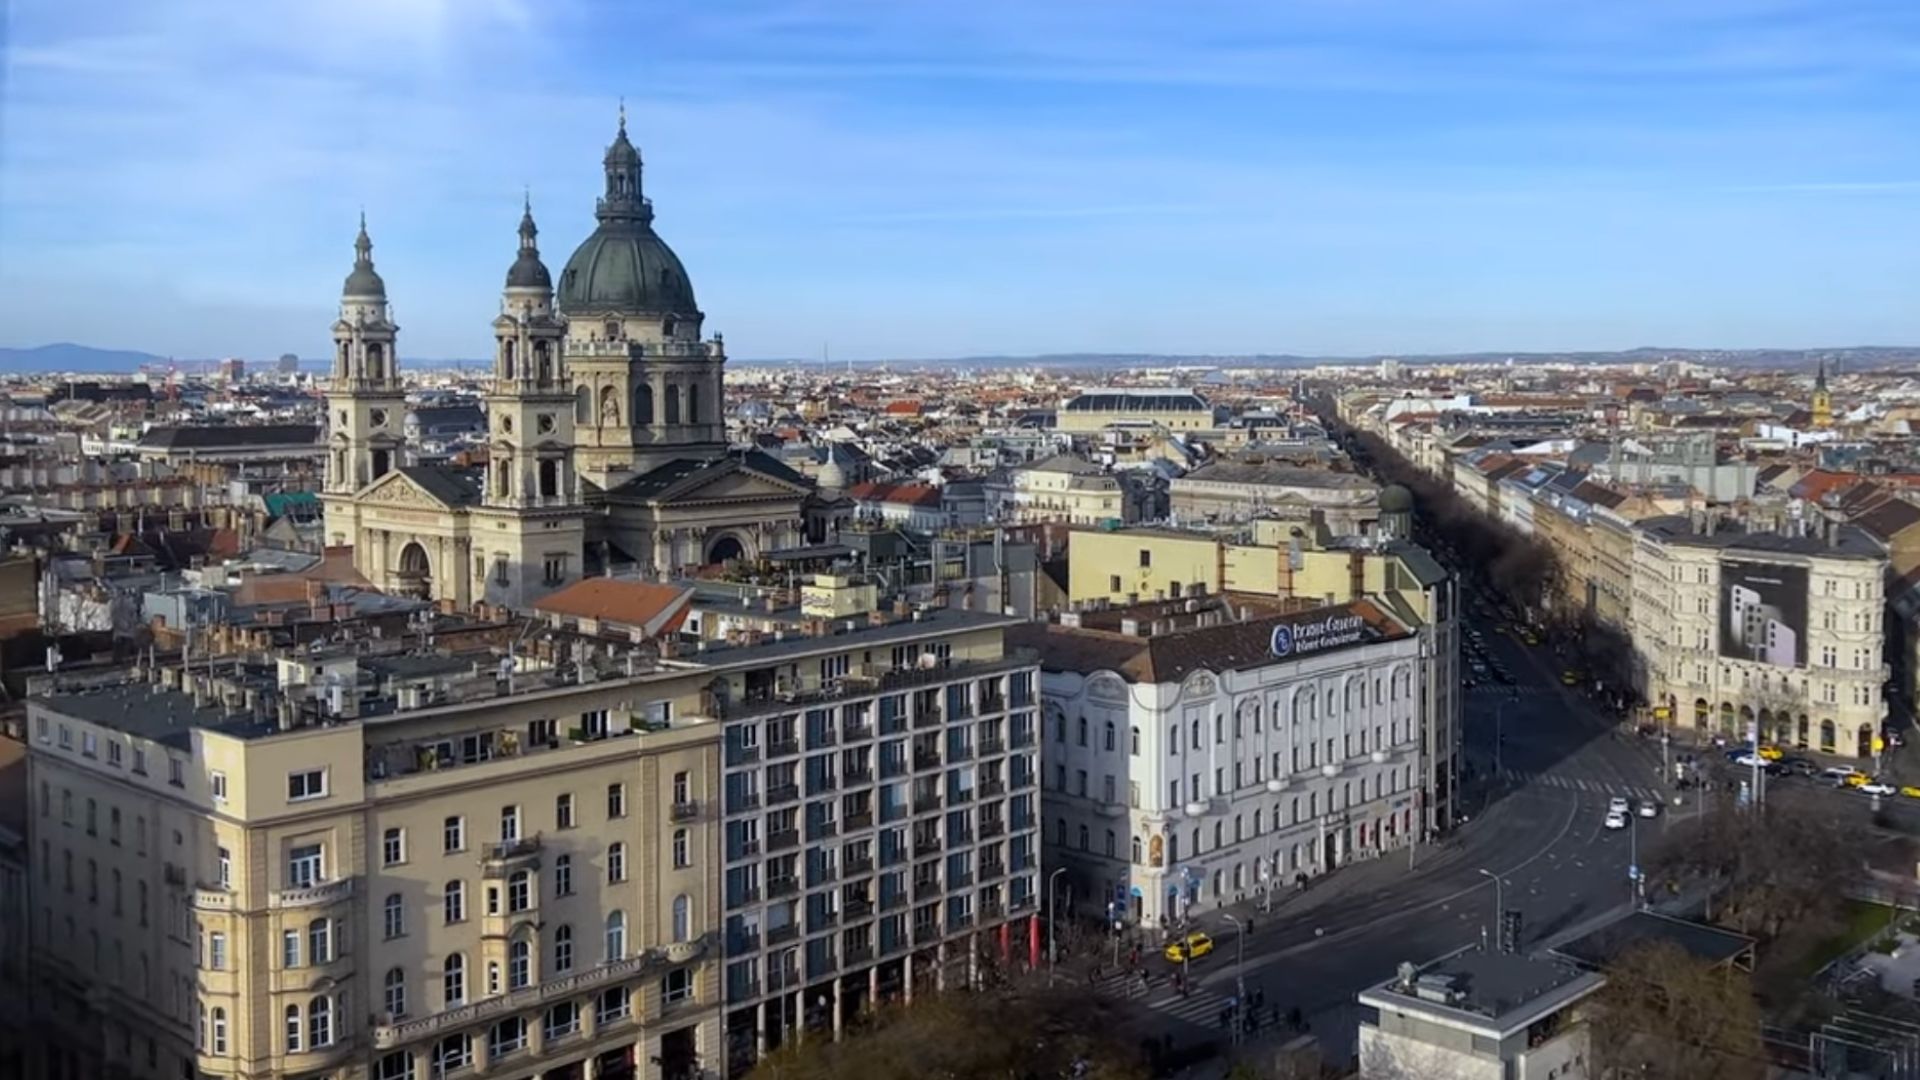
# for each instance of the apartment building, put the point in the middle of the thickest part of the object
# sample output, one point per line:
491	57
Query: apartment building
1199	752
1743	631
377	860
881	823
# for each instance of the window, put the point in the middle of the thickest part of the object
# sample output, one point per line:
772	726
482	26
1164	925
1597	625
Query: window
93	817
563	875
1113	583
509	824
616	800
219	1030
113	825
519	964
217	951
453	981
305	866
1080	731
1134	747
681	858
553	567
453	834
306	784
676	985
520	891
563	811
612	1004
395	918
89	744
563	1020
219	787
1146	558
616	936
451	1053
1109	737
395	993
224	863
507	1037
616	863
393	847
398	1066
176	772
320	1022
319	941
682	918
562	949
296	1031
454	905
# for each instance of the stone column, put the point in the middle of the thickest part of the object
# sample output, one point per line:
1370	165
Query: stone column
906	977
590	1068
873	988
940	967
760	1029
480	1061
839	1019
973	961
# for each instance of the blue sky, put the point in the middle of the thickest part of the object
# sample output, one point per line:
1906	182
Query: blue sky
898	179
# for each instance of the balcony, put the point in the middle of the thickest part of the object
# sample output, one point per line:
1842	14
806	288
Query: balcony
928	889
746	849
859	864
858	908
926	804
864	681
780	935
822	920
749	894
742	801
856	732
927	717
926	759
926	933
991	745
959	796
743	941
822	830
992	788
859	819
1022	739
858	777
388	1036
926	846
783	748
1020	903
958	752
820	740
783	979
821	875
743	755
961	921
891	767
326	892
685	811
990	908
783	886
893	901
858	954
991	828
991	869
960	880
959	837
992	703
784	793
783	840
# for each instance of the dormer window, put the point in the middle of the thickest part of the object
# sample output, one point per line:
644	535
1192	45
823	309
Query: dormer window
613	330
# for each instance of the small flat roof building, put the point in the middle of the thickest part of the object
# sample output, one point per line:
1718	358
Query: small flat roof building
1478	1015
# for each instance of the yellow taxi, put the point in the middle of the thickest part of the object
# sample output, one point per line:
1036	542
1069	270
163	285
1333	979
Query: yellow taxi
1910	792
1192	947
1570	678
1857	779
1772	753
1530	638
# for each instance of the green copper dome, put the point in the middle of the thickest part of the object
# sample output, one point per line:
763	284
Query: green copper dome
624	268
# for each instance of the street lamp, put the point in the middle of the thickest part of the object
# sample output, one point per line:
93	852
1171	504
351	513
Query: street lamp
1053	933
1499	903
1239	974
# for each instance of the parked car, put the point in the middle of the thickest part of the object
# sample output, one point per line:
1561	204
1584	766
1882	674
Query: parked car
1192	947
1910	792
1876	787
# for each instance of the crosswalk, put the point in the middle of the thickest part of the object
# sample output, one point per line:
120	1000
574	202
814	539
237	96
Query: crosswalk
1522	778
1199	1005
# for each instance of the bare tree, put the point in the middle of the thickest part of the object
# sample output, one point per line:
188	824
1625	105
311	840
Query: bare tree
1665	1014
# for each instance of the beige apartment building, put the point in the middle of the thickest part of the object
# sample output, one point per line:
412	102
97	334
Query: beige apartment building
379	861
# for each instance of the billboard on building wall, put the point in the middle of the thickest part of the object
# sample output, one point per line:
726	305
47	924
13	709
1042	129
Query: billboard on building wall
1763	613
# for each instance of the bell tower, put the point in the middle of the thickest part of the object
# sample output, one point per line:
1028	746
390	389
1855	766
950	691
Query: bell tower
530	532
1822	405
366	404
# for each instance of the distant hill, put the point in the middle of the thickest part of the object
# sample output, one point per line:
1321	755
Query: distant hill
65	356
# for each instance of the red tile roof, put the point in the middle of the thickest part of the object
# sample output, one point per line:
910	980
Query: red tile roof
655	609
903	494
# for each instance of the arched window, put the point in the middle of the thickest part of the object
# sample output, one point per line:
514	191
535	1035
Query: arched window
319	941
583	406
395	993
453	981
549	478
319	1022
506	357
454	902
1110	729
693	403
643	404
1085	839
673	404
682	918
616	936
563	949
1134	853
395	915
1136	741
296	1034
519	964
219	1030
543	360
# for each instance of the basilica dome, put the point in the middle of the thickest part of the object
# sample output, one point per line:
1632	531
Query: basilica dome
624	268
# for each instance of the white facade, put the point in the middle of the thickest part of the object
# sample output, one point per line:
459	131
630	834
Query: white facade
1181	796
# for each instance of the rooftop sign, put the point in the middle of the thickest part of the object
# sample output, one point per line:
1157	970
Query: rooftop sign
1305	638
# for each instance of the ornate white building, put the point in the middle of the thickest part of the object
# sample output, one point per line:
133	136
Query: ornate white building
607	440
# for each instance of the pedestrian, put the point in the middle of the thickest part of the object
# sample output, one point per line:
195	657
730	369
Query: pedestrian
1249	926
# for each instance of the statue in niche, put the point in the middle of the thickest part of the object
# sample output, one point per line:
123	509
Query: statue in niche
609	407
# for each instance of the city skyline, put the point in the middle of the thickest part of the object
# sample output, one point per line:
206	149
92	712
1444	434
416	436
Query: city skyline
995	181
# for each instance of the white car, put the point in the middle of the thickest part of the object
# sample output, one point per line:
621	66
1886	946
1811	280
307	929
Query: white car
1616	819
1617	805
1749	760
1876	787
1649	808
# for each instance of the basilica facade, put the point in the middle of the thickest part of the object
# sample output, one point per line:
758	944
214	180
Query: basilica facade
607	448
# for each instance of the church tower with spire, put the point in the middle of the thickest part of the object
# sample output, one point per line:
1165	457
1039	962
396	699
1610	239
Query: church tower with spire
366	404
1822	406
529	528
